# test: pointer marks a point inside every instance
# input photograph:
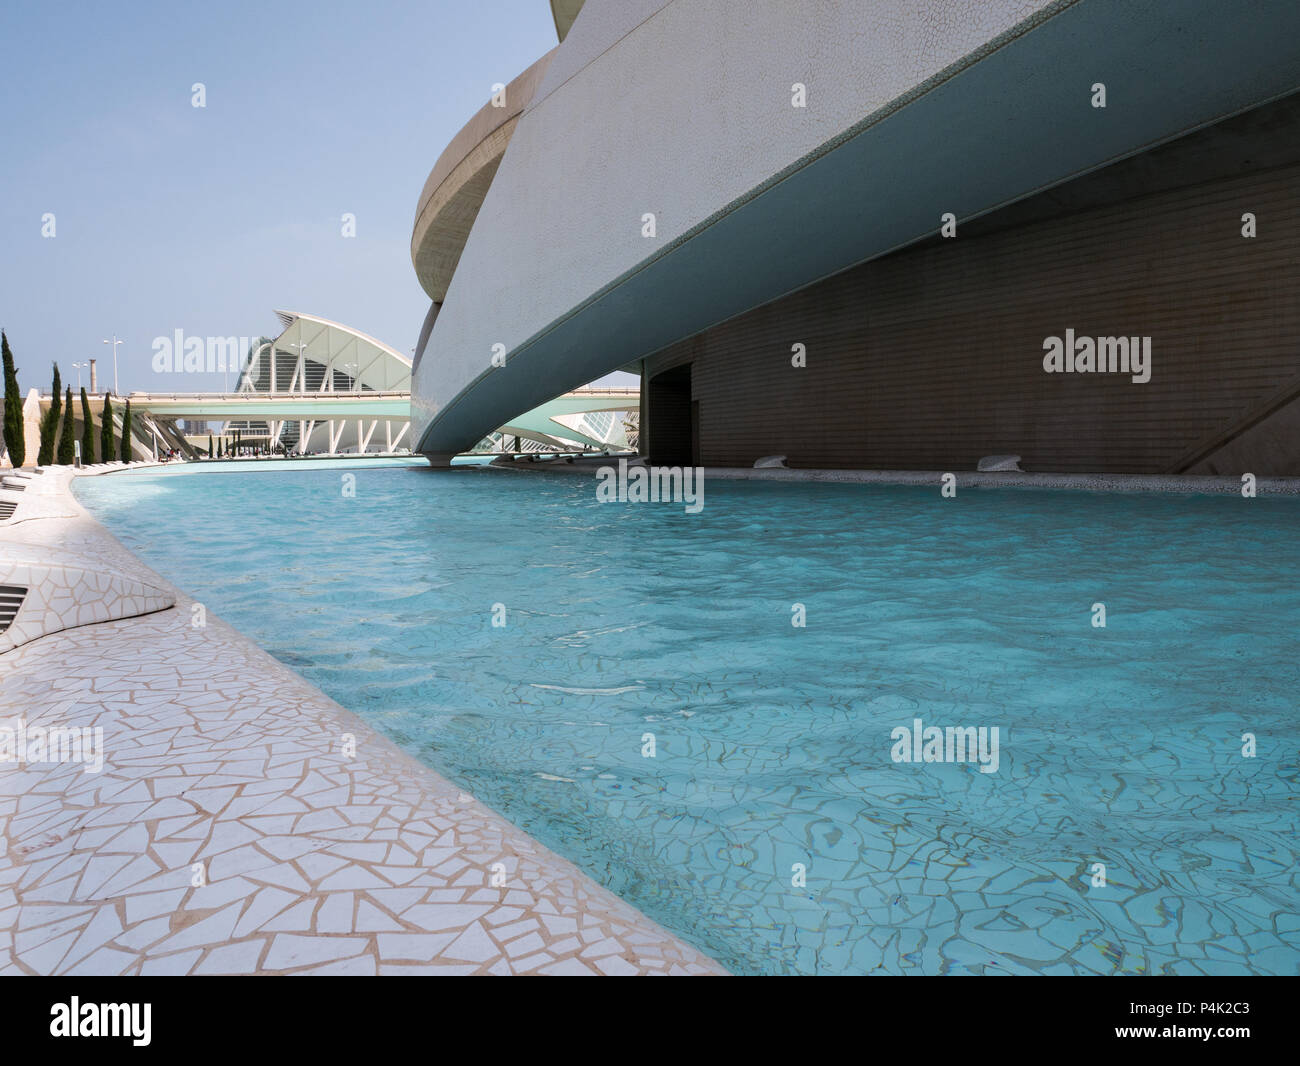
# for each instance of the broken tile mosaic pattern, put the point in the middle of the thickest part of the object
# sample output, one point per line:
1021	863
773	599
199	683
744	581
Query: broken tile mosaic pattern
226	768
1119	745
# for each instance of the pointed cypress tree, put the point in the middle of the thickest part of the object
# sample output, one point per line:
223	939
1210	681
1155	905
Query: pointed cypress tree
210	446
67	445
126	433
50	423
87	431
106	432
13	422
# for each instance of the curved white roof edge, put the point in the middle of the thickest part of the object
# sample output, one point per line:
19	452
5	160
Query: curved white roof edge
287	319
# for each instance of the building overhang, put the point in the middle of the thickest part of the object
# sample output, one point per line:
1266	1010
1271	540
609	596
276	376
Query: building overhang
455	188
565	13
1009	120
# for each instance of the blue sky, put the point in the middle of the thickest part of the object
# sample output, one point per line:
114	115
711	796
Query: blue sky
173	217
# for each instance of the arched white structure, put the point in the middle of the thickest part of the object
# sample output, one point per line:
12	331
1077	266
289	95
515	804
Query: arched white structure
591	418
314	356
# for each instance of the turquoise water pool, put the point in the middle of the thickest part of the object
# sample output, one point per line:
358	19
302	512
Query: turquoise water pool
772	743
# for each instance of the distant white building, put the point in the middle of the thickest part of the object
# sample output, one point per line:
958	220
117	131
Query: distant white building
314	355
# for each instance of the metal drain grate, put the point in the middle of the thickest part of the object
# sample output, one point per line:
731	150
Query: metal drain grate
7	508
11	598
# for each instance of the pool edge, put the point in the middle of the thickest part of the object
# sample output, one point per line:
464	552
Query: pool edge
547	916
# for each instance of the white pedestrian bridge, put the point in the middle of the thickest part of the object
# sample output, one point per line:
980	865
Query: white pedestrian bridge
587	418
273	405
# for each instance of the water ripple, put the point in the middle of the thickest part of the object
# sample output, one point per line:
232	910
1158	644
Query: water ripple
772	743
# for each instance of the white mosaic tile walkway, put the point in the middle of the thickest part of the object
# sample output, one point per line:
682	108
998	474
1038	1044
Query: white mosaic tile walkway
223	763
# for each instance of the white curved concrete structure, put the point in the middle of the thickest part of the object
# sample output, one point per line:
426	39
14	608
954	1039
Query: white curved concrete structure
685	110
461	178
45	588
583	418
44	591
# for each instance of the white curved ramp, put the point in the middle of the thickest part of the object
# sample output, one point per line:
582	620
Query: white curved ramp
43	591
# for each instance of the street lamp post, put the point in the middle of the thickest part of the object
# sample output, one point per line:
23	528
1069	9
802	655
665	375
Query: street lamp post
115	342
77	367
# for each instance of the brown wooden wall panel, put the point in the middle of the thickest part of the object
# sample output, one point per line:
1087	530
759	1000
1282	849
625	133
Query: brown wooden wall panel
932	357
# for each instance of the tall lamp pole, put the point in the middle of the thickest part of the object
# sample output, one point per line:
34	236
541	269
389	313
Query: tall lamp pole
115	342
77	367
